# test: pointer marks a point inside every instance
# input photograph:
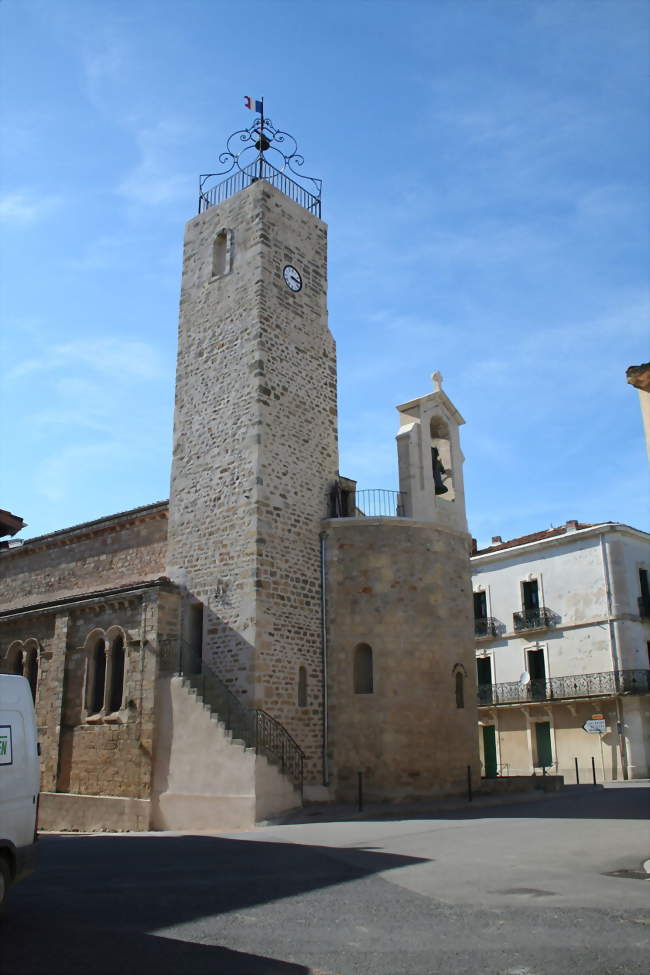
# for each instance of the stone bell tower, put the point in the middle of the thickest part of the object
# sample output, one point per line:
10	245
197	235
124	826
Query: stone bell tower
402	674
430	459
255	432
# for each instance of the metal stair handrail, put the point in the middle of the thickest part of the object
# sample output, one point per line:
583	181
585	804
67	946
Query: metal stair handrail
255	727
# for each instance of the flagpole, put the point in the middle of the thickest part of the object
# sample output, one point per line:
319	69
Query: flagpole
261	138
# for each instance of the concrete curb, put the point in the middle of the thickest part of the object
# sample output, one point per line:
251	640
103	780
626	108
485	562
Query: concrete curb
327	813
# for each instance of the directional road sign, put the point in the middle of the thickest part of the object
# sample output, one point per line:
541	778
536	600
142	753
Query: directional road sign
595	726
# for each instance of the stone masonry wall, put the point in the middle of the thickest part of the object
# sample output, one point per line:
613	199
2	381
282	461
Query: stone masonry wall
115	551
48	632
404	589
255	451
95	754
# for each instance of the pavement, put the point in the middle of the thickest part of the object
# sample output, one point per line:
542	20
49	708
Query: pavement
544	887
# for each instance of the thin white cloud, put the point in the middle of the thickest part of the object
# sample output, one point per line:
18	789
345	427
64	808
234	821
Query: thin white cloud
26	207
154	181
112	357
56	473
109	252
106	61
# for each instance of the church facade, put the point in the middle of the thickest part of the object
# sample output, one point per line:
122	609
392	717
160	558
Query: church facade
270	632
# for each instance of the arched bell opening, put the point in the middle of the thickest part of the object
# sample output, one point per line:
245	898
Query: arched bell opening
441	465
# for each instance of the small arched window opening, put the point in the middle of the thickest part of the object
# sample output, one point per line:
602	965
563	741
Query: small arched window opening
460	689
363	675
116	674
30	669
221	253
97	678
302	687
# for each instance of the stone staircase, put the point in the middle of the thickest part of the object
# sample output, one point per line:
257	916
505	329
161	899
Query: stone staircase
210	774
251	727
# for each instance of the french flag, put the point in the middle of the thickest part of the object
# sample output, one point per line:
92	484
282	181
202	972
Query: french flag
253	104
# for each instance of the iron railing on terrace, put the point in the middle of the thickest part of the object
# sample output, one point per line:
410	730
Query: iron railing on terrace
485	627
255	727
259	169
533	619
375	503
607	684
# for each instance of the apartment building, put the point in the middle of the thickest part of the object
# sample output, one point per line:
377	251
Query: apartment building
562	636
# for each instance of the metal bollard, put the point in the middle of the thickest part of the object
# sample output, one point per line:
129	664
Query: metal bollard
577	772
593	768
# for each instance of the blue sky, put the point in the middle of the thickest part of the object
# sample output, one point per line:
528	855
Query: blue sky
485	185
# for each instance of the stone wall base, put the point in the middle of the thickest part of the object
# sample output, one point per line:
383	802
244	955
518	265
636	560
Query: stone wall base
196	813
91	814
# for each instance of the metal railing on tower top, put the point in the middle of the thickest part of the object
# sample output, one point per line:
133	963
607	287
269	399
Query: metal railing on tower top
246	162
245	177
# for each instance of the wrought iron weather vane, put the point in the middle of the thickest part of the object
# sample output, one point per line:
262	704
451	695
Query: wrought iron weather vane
261	151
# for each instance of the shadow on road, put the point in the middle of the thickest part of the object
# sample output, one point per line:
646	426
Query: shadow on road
96	903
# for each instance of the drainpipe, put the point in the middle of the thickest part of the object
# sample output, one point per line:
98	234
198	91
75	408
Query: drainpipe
323	633
616	660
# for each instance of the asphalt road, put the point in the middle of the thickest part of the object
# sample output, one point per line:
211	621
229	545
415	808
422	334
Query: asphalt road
514	890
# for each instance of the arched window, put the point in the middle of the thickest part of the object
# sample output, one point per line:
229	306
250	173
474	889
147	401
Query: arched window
30	668
460	689
15	659
222	253
363	677
116	674
302	687
97	678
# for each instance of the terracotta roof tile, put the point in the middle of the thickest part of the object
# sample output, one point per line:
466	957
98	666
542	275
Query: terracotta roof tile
534	537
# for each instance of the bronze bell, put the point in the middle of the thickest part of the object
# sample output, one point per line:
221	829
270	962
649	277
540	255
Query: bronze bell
438	471
262	143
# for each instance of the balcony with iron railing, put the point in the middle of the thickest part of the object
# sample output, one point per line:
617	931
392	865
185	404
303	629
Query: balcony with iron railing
611	683
369	503
485	627
539	618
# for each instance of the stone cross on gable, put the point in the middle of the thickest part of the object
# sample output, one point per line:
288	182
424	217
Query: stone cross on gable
437	381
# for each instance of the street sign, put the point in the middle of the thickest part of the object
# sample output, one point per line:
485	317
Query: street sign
595	726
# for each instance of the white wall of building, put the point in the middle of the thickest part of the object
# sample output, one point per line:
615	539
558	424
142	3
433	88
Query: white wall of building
589	580
571	571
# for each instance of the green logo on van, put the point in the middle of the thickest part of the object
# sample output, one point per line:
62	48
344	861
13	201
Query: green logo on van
5	745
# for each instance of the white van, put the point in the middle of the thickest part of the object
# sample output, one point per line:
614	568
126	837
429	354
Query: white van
20	778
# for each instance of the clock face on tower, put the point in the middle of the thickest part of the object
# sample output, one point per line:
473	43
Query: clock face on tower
292	278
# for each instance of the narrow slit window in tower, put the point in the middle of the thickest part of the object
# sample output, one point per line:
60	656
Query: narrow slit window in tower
460	690
363	675
220	254
302	687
